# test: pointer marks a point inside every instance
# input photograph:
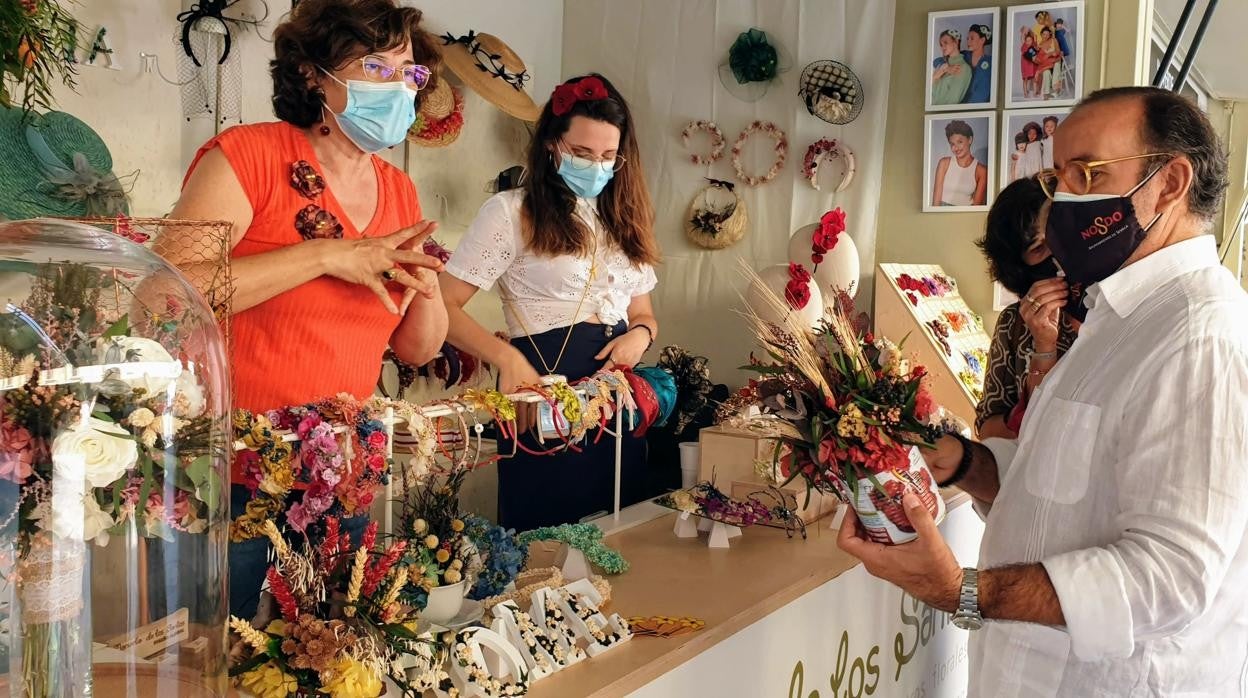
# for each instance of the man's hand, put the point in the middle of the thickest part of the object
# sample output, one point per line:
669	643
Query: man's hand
925	567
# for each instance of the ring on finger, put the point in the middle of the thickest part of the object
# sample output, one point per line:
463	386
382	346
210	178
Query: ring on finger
390	274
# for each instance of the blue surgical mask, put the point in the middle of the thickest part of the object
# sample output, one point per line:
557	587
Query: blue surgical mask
378	114
588	178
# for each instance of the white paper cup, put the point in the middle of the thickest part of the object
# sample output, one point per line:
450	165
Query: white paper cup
690	463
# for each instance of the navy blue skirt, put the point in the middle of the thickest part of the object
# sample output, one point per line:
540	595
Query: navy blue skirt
565	487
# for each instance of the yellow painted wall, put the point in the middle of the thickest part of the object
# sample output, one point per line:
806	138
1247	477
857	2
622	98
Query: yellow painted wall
1114	51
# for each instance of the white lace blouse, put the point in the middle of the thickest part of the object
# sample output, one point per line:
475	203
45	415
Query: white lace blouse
545	291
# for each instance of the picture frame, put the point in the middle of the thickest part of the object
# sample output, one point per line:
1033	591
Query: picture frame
1051	74
946	187
1035	154
945	91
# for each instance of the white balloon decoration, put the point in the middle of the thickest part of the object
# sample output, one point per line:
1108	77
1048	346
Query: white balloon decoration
776	278
839	269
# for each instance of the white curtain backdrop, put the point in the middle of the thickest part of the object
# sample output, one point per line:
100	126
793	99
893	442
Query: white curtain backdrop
664	57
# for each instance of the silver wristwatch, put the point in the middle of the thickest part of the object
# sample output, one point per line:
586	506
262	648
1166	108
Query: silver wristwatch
968	616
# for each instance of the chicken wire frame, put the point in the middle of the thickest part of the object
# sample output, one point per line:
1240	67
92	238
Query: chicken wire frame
216	283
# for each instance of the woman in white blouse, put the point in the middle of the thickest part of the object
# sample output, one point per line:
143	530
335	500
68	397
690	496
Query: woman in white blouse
571	252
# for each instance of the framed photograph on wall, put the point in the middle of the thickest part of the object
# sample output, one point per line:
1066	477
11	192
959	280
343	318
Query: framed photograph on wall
1027	142
960	62
958	156
1043	46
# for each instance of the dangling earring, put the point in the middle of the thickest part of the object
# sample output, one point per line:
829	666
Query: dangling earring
324	129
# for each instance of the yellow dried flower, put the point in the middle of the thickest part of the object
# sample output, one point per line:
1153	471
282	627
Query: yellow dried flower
350	678
431	542
851	423
457	525
357	580
442	556
453	576
268	681
392	594
419	526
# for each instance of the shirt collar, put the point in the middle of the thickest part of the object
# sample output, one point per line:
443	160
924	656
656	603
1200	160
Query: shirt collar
1128	287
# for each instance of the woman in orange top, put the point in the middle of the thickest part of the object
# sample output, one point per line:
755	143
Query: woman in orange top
326	248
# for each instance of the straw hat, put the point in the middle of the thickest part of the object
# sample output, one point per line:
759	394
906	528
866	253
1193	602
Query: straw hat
489	66
712	226
54	165
441	116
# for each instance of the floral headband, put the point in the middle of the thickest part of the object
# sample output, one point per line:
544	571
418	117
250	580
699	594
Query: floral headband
483	56
984	31
953	34
588	89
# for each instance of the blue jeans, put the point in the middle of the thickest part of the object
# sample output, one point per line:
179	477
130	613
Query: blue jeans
249	560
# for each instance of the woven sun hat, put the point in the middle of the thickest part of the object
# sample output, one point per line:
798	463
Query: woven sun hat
54	165
440	118
491	69
717	216
753	63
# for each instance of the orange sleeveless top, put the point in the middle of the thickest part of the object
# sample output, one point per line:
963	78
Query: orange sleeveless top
326	336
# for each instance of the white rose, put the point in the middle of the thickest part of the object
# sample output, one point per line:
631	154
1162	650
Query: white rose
189	401
141	349
95	521
97	453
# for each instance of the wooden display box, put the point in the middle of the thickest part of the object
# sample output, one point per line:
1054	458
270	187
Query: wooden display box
821	504
728	454
897	318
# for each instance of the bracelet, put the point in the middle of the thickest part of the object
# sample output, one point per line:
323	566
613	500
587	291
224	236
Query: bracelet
1042	355
648	331
964	466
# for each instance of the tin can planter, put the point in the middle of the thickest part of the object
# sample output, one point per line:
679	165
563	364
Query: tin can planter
882	513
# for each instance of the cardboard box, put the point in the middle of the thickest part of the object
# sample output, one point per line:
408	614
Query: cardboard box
729	454
821	504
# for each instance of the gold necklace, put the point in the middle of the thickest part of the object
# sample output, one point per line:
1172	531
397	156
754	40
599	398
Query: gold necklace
589	283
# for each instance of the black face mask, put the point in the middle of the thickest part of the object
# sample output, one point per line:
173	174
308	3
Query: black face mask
1091	237
1044	269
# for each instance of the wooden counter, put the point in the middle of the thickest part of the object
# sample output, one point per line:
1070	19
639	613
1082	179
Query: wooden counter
728	588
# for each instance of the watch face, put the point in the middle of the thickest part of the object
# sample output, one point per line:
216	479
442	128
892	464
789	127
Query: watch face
968	622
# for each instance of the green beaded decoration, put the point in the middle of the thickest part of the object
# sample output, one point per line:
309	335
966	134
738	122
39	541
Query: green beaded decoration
586	538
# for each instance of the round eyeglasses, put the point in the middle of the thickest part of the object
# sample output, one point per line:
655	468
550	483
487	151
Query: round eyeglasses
1080	175
581	162
377	70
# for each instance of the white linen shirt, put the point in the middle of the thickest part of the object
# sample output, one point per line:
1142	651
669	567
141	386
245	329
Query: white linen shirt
1129	483
545	290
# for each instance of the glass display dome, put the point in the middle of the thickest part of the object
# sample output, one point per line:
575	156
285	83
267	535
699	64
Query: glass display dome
114	416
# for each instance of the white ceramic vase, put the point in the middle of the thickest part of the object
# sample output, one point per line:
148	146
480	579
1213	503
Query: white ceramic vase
445	602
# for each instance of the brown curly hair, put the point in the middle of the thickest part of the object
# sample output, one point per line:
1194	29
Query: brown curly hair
329	33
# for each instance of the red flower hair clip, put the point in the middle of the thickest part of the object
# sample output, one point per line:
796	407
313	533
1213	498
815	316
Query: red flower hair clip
569	93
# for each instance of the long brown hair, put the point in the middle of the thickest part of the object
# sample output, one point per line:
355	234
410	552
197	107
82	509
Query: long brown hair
548	223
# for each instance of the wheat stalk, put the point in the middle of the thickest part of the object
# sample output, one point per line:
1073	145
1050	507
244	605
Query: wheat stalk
792	340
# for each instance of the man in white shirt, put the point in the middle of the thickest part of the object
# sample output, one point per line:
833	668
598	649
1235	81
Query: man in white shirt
1115	529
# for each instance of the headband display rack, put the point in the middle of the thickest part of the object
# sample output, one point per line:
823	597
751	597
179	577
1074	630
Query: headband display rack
443	409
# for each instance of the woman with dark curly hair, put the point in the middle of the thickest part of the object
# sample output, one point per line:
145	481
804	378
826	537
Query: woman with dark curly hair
326	251
1032	334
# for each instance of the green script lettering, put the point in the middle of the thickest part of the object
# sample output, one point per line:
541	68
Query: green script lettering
797	683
